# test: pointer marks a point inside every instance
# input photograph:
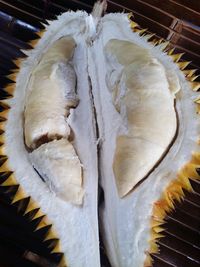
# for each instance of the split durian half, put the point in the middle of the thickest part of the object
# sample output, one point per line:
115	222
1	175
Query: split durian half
95	105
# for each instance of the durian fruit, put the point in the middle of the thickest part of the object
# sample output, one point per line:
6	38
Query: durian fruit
97	106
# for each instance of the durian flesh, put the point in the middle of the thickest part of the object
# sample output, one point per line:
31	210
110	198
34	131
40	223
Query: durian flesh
126	126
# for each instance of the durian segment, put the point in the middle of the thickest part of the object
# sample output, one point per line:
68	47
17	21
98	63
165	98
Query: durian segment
76	225
148	104
52	89
60	167
125	223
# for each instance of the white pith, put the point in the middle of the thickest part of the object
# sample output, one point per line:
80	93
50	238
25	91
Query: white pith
124	222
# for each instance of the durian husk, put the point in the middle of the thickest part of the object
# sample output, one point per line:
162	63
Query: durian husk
7	176
174	191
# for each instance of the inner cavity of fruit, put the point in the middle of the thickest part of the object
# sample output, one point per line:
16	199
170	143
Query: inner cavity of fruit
143	92
51	95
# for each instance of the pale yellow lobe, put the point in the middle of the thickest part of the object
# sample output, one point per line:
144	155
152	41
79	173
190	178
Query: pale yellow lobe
150	113
45	108
60	167
51	95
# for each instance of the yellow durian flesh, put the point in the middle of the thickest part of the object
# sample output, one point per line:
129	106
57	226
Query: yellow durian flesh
60	167
51	95
150	112
45	116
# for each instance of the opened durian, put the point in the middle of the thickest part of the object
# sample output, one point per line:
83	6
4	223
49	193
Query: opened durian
95	105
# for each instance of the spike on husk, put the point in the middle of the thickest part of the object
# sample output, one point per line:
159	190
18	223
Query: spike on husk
163	46
38	214
12	77
190	72
155	42
10	88
2	124
4	106
2	149
148	261
141	31
130	15
192	78
34	42
10	181
133	25
148	37
197	100
2	138
56	249
31	206
20	194
18	62
198	109
5	167
50	235
195	86
154	248
183	64
41	33
4	114
176	57
62	262
170	52
43	222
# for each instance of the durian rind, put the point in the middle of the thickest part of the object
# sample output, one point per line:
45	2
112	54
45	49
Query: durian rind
45	199
133	223
174	191
11	180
